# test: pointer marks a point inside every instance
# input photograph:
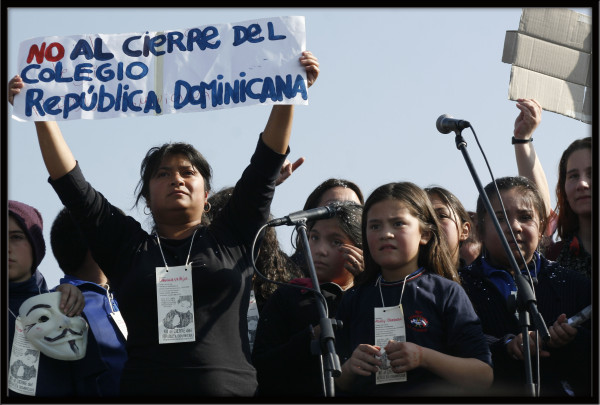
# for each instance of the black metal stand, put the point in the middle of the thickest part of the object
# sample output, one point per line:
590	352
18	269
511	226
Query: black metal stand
326	349
526	301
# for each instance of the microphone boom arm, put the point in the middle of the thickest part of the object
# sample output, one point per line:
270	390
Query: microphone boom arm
330	359
526	301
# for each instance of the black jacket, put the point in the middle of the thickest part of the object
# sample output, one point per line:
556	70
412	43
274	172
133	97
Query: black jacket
558	290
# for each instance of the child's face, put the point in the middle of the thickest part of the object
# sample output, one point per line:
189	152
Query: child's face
454	230
578	182
525	223
325	239
20	253
394	237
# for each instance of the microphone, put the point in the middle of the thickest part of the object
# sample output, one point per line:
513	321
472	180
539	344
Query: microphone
313	214
581	316
445	123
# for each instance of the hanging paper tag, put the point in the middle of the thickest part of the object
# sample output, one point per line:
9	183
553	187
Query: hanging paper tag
389	325
252	319
24	363
116	314
120	322
175	304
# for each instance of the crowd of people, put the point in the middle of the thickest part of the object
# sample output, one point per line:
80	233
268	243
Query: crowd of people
416	295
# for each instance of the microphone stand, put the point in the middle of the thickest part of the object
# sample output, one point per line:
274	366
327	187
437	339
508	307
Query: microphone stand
326	349
526	301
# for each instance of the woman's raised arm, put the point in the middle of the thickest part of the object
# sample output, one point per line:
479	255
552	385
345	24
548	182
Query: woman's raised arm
56	153
279	127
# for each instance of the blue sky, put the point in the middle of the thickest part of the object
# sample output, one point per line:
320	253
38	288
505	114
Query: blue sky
387	74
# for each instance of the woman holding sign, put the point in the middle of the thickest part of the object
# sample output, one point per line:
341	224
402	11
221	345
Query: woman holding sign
181	257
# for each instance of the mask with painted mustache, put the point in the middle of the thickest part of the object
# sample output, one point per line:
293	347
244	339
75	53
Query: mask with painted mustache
52	332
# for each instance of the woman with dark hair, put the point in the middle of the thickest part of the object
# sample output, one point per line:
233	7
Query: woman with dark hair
289	321
331	190
454	220
210	357
572	217
574	208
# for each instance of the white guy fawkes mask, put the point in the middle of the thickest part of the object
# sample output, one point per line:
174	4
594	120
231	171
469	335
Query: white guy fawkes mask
52	332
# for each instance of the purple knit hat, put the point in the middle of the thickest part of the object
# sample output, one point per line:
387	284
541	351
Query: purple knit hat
30	221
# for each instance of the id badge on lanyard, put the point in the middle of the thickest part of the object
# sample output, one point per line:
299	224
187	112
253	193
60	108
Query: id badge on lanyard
23	364
175	304
389	325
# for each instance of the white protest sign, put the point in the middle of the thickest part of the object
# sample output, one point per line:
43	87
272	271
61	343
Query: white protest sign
152	73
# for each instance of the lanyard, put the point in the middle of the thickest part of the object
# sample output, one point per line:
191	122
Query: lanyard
39	292
411	275
163	255
109	295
